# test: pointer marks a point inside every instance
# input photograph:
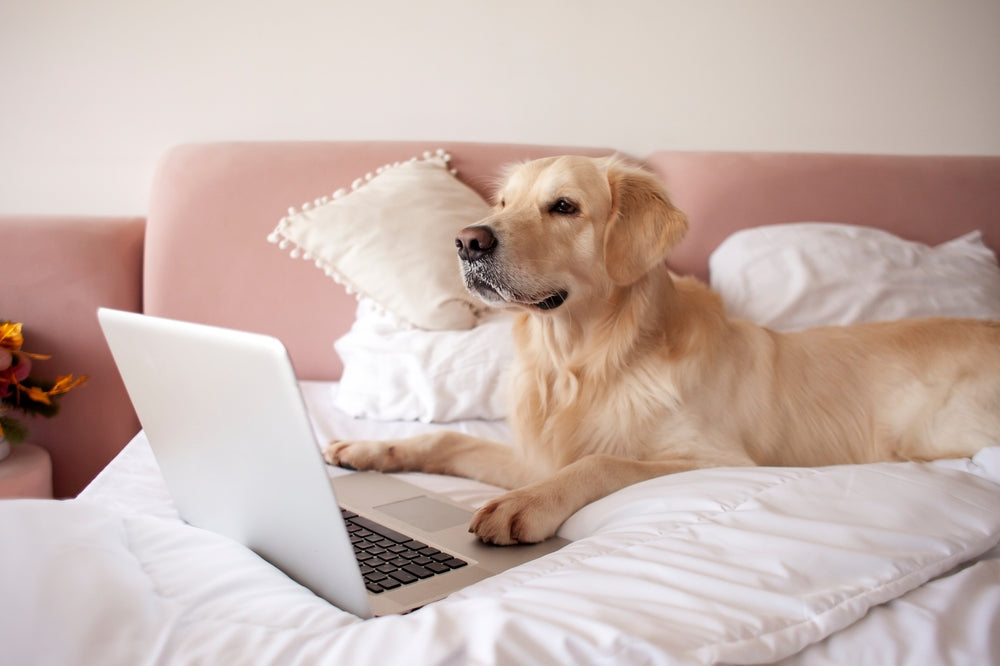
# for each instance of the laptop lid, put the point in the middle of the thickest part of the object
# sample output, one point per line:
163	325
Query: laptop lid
224	416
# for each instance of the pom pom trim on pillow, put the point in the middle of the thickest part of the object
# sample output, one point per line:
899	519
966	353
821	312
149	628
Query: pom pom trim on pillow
421	205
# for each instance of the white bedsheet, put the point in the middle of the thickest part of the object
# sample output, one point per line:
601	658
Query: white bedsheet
884	563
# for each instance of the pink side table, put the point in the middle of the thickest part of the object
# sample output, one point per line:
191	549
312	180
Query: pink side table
26	472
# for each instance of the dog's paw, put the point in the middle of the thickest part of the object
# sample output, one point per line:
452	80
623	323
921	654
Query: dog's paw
520	516
364	455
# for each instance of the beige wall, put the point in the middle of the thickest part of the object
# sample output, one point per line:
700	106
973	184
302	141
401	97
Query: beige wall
91	93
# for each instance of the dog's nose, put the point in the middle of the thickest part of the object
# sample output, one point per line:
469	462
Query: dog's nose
475	242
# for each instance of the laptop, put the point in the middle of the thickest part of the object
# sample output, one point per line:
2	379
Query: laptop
229	429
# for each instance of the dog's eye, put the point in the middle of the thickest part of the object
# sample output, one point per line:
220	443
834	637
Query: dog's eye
564	207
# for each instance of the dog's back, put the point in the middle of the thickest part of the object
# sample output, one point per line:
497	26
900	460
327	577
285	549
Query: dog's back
940	393
904	390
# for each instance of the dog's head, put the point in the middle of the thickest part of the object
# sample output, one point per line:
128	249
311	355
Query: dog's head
566	229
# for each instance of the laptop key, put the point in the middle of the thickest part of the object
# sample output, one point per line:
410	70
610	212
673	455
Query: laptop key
403	577
418	571
382	530
389	583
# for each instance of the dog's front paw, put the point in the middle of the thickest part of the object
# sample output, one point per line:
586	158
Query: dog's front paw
520	516
364	455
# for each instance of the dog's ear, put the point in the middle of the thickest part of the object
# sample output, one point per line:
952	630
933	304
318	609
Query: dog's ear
644	224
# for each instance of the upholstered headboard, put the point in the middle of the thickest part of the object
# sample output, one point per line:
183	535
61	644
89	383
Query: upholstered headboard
926	199
213	206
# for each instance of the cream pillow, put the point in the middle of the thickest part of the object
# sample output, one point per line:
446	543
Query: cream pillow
793	276
391	238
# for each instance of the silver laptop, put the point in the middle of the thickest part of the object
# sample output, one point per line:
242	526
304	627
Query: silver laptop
225	419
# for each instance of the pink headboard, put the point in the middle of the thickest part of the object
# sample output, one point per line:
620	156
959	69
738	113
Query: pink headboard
927	199
212	206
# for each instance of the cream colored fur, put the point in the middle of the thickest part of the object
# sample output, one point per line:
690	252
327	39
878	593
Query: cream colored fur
639	373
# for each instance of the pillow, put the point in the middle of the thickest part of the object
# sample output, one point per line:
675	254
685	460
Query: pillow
396	373
794	276
392	239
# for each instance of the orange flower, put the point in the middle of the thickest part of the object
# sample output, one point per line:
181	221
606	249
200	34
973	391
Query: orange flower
18	391
66	383
10	336
63	384
11	340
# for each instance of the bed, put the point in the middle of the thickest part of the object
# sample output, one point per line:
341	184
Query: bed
891	563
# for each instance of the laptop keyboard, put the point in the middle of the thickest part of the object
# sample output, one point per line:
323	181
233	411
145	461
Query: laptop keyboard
389	559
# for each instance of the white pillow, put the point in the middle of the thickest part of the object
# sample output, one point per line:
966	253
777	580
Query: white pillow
395	373
794	276
392	239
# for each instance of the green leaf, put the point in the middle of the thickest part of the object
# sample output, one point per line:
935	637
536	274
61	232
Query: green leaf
13	431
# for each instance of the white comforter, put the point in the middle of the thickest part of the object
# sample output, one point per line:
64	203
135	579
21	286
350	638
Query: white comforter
882	564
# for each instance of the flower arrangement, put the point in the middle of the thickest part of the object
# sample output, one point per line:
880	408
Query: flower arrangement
21	392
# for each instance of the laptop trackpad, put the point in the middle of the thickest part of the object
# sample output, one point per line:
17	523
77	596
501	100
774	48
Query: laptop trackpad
427	514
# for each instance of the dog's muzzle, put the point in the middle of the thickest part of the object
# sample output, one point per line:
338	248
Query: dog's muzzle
477	246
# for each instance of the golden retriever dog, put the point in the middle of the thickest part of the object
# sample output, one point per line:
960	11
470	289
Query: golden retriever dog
624	372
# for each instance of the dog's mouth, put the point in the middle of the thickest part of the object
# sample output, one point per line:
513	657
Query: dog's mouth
497	294
553	301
